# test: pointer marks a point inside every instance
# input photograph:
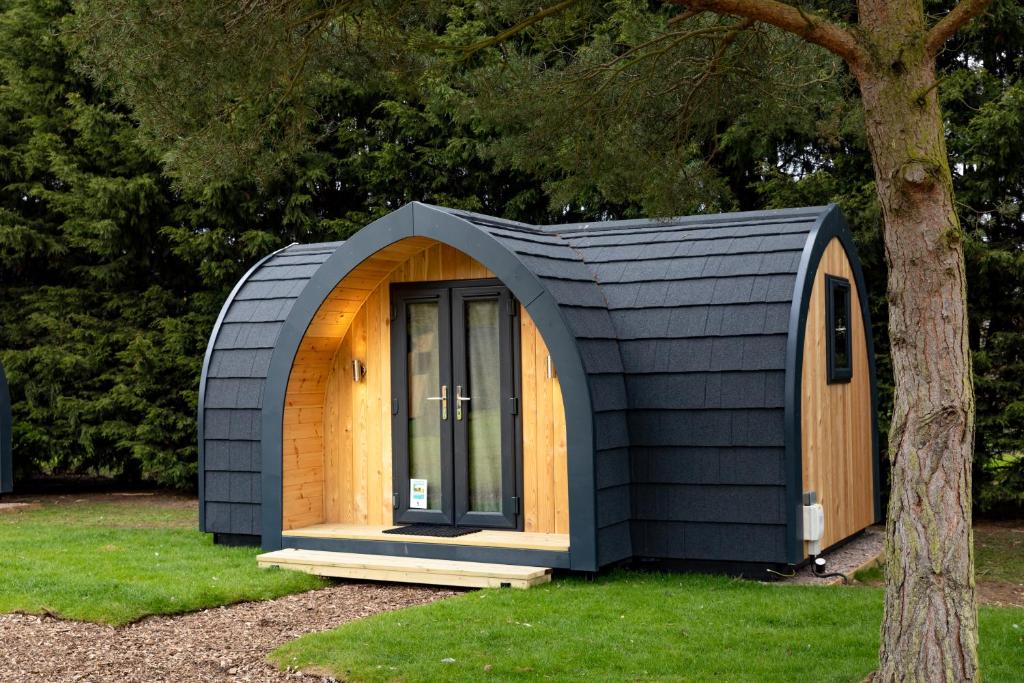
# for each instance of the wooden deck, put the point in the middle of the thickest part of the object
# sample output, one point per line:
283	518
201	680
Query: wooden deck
406	569
488	538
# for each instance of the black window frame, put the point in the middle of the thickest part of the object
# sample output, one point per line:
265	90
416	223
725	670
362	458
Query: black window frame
838	374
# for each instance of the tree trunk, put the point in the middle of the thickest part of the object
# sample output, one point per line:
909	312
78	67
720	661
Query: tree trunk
929	632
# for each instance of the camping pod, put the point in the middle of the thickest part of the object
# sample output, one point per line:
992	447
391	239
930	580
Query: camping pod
6	465
453	386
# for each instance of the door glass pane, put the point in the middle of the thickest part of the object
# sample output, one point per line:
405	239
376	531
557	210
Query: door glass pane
422	342
484	414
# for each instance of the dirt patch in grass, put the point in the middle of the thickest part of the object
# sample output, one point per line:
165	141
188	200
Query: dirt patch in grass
1001	593
221	644
12	507
163	499
998	564
999	550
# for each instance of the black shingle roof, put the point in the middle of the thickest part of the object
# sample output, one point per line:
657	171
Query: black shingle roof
701	309
234	377
681	326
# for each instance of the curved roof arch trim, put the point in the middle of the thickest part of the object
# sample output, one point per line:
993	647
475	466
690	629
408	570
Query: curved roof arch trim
420	220
830	225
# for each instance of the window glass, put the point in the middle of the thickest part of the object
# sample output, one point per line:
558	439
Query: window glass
841	326
838	320
484	366
424	413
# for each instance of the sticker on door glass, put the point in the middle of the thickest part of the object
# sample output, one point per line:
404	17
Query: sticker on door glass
418	494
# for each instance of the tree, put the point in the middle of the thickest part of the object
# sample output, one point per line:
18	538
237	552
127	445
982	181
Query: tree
90	293
929	630
930	626
889	46
982	98
111	278
981	83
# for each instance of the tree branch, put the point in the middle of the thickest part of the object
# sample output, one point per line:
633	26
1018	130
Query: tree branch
964	12
683	16
810	27
518	28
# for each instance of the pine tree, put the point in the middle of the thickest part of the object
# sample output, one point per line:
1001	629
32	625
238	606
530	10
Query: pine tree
111	277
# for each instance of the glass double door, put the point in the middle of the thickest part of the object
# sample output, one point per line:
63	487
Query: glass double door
453	403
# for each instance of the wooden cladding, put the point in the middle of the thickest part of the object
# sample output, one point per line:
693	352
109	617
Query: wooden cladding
545	467
337	433
836	420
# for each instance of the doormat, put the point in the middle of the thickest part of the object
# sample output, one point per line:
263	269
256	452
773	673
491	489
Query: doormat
443	530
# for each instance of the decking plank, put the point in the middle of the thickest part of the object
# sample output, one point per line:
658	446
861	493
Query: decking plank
523	540
405	569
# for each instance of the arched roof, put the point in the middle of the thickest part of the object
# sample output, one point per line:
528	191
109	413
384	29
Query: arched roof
552	283
262	324
667	334
709	312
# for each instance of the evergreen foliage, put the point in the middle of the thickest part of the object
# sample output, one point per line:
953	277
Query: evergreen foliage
99	326
777	124
337	126
984	99
982	94
111	279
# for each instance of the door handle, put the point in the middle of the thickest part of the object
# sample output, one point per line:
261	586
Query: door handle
443	398
459	398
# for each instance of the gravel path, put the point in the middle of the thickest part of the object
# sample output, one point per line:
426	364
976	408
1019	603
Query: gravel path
847	558
222	644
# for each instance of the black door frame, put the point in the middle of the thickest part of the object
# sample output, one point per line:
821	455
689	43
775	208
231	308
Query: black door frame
508	356
451	294
400	297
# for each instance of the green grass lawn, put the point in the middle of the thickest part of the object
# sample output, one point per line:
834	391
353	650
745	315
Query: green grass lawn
632	626
115	562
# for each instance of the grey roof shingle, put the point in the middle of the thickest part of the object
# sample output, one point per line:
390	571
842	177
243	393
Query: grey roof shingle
235	378
681	326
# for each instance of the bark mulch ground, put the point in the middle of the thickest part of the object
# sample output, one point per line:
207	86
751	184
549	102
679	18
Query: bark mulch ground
222	644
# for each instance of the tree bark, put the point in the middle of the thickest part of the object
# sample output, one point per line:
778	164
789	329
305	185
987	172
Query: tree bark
929	630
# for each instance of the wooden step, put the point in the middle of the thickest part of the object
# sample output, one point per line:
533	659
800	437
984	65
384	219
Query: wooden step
492	538
406	569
